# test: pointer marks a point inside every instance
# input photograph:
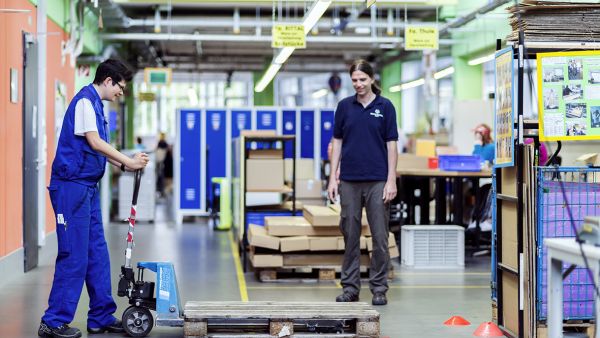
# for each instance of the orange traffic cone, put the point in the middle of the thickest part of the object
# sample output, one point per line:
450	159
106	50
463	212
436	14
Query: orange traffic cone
457	321
488	329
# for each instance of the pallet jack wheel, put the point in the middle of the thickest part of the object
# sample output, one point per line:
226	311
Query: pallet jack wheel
137	321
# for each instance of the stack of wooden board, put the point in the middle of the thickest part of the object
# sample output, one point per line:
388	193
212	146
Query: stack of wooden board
313	240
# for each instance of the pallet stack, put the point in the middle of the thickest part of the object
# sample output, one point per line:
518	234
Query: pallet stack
303	244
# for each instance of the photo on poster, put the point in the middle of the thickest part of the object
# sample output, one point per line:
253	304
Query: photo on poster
576	128
576	110
594	76
550	98
595	116
554	74
592	92
572	92
575	69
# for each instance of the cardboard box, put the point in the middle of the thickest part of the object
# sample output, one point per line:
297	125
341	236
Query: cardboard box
264	174
411	161
265	153
342	245
321	216
258	133
257	236
296	243
394	252
425	148
391	242
323	243
297	226
266	261
305	169
308	188
301	202
263	198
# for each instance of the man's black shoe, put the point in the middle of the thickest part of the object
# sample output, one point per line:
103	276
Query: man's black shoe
379	298
116	327
63	331
346	297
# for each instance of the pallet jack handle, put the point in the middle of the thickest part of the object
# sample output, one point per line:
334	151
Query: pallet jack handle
137	175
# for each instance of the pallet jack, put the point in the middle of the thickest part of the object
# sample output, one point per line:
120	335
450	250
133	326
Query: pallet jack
137	318
162	297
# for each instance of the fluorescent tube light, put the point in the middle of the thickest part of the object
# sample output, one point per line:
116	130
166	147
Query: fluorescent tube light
396	88
320	93
480	60
413	84
362	30
192	96
315	13
443	73
283	55
267	77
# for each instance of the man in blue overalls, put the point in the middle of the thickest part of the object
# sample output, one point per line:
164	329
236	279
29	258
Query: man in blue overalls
78	166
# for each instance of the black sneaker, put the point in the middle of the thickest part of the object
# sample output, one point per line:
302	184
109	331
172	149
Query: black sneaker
379	298
346	297
116	327
63	331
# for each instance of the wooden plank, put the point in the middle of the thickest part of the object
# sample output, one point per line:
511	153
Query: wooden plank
265	314
326	274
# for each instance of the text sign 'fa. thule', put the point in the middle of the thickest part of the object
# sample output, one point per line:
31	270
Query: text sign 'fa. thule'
421	37
288	36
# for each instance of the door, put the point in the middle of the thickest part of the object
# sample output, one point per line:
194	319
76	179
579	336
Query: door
30	152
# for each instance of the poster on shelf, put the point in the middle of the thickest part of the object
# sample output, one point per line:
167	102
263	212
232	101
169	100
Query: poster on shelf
569	95
504	109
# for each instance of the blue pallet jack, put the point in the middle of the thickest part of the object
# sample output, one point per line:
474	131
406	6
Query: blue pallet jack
137	319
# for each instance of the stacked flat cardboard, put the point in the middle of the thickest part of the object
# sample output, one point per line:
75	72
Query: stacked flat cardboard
258	237
321	216
338	209
296	243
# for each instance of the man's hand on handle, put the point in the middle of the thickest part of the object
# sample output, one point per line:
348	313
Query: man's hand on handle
138	161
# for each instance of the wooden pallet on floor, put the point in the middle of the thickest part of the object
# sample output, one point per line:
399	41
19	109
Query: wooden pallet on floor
569	327
280	319
305	274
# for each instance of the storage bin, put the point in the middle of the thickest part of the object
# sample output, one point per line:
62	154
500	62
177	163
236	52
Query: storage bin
433	246
460	162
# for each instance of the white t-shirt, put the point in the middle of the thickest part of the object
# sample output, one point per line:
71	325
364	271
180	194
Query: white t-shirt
85	117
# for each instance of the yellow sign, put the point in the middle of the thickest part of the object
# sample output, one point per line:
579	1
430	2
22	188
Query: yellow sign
288	36
569	95
147	97
370	3
421	37
157	76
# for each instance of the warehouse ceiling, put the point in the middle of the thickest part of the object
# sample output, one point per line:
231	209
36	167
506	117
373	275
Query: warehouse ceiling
236	35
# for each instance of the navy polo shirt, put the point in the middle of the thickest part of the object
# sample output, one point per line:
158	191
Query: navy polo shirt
364	132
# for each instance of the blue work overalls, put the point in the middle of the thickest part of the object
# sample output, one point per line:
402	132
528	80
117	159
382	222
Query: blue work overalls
82	250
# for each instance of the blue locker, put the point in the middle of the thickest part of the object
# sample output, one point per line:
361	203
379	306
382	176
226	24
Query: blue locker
326	131
266	119
289	128
216	135
307	134
240	120
190	167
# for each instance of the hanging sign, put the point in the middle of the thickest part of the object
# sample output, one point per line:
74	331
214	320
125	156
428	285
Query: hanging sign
421	37
157	76
370	3
147	97
286	35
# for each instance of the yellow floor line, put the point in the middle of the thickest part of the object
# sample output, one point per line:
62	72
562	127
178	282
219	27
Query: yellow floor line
238	269
299	287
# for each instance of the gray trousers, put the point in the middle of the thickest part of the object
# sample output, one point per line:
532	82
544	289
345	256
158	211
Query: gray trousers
354	196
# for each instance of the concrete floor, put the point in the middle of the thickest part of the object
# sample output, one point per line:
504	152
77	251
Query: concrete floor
419	301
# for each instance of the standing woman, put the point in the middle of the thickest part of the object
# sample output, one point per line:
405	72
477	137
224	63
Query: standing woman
364	136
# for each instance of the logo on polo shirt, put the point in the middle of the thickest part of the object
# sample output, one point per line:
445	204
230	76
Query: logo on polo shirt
377	113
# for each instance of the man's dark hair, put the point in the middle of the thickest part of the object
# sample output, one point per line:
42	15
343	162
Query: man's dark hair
114	69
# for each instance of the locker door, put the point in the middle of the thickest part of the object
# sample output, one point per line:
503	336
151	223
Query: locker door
266	119
190	170
216	134
289	128
307	134
326	131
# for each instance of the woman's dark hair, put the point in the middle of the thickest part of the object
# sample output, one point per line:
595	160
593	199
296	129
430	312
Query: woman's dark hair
114	69
366	68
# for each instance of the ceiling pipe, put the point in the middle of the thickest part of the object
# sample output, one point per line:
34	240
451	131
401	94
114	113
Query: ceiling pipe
465	19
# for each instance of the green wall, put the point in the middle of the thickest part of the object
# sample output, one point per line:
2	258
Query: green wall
266	97
391	75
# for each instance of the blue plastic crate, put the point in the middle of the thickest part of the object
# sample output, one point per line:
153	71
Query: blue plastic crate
460	162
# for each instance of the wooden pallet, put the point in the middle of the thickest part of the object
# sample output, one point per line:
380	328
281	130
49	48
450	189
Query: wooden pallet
304	274
280	319
570	327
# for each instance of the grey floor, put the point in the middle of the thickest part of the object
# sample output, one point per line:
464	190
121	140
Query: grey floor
419	301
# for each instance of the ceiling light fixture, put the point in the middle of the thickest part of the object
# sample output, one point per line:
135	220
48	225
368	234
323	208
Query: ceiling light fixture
310	20
480	60
267	77
320	93
443	73
421	81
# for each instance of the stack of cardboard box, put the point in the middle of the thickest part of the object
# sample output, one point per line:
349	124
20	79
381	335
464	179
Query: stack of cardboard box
309	189
311	240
